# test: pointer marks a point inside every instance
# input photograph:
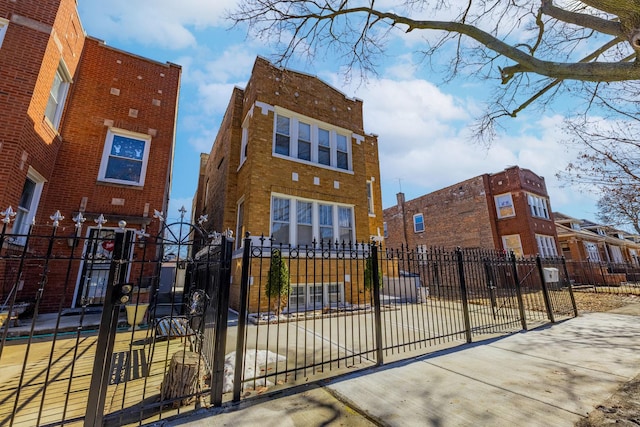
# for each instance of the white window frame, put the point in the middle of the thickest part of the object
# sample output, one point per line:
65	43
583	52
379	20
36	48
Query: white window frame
60	98
538	206
507	244
370	203
240	213
106	155
593	253
4	24
504	205
546	246
315	218
25	216
415	224
244	144
616	254
309	301
334	131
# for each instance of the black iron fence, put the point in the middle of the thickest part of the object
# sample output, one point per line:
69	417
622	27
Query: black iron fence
113	326
316	311
604	277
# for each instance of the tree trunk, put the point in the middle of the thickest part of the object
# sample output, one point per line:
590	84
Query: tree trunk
184	379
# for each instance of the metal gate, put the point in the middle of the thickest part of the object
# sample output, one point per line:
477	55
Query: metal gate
109	325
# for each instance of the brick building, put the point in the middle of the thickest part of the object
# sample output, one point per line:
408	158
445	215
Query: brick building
291	160
85	128
508	210
583	240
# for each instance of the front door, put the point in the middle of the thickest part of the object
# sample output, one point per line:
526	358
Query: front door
94	275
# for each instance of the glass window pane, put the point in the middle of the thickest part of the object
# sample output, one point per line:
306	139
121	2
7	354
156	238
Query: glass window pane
304	212
304	150
326	214
341	142
280	232
282	145
282	125
280	209
123	169
343	160
127	147
323	138
324	156
304	131
27	194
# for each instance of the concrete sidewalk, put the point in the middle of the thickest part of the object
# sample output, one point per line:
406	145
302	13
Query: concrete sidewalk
551	376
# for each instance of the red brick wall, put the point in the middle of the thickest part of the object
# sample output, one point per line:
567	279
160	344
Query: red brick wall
454	216
39	35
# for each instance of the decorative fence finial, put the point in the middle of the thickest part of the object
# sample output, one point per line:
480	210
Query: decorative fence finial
203	219
79	220
158	214
182	211
56	218
101	220
8	215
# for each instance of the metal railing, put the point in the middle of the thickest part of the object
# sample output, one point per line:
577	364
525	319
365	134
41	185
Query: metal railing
346	306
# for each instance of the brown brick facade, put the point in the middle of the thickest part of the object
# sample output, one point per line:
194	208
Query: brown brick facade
227	180
465	214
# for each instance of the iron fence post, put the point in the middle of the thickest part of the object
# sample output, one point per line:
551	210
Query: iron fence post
573	298
516	279
375	283
106	339
242	319
463	291
545	290
217	383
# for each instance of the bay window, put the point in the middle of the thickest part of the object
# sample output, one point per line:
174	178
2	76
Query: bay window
313	221
309	141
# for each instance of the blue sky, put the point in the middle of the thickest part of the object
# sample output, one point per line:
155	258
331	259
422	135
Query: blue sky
422	125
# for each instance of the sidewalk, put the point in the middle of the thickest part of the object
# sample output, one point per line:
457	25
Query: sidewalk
551	376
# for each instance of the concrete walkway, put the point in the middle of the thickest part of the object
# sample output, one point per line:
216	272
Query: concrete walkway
551	376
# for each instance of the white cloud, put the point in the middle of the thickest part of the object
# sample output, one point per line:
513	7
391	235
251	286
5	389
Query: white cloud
165	23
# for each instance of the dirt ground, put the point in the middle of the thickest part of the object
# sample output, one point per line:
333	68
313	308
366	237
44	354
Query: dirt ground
623	407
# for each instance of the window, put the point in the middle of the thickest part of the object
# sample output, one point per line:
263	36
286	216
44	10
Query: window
243	146
385	229
512	243
313	142
280	220
575	226
616	254
4	24
28	204
546	246
313	221
310	296
504	206
124	159
282	135
342	152
418	223
593	254
345	225
57	96
538	206
326	222
240	228
304	141
324	147
370	198
305	224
